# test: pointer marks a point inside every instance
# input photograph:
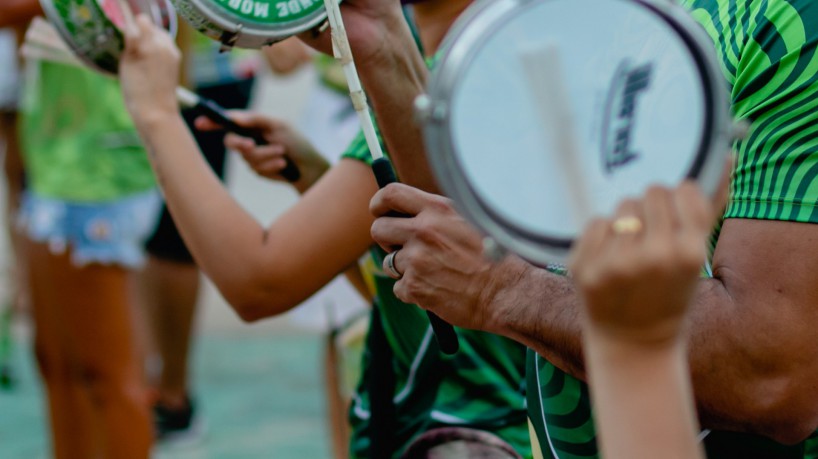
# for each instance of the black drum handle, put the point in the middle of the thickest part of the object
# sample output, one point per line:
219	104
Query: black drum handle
444	332
216	113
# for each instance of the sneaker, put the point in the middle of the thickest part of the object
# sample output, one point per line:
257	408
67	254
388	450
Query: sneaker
178	427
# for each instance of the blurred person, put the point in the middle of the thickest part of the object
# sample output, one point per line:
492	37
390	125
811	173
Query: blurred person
90	202
170	280
13	171
266	271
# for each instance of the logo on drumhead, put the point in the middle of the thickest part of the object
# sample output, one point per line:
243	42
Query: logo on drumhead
628	83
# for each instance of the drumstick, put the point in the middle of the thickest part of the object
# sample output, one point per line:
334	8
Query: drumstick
43	42
384	173
543	69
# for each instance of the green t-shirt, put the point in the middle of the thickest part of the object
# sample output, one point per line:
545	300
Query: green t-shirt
79	141
481	387
767	51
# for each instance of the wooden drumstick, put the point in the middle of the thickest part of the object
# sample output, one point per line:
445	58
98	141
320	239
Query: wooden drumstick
384	173
546	80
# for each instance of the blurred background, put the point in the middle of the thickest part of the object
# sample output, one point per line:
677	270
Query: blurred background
260	387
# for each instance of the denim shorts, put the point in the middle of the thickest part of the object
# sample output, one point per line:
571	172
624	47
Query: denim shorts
111	233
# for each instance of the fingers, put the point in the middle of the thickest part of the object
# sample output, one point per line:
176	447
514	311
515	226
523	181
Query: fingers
392	232
143	38
403	199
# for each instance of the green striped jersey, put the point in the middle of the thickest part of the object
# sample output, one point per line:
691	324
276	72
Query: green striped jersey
481	387
767	51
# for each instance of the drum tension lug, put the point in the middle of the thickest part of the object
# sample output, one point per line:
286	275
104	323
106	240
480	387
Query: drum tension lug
426	110
492	251
229	39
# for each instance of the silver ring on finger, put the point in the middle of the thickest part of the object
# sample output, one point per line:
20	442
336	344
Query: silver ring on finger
392	271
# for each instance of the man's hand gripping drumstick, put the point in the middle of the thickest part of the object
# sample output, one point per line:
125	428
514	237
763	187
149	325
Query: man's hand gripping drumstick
384	173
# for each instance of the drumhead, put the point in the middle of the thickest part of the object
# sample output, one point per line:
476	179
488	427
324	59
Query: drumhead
91	28
645	94
251	23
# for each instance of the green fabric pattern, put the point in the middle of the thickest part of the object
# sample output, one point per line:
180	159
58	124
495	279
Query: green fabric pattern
767	51
79	141
480	387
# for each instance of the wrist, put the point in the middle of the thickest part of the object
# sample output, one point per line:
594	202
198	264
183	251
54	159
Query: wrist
499	298
148	120
620	343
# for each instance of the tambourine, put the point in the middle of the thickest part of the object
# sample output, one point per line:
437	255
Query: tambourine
252	23
640	83
92	28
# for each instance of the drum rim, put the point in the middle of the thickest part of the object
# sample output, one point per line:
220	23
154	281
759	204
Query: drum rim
468	36
252	35
54	17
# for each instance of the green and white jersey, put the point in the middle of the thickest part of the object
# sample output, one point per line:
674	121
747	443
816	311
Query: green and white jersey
768	55
78	139
480	387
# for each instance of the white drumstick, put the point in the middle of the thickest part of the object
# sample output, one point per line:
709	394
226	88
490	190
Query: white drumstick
343	52
543	69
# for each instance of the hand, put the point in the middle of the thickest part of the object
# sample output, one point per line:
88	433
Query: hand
440	256
269	160
368	24
149	72
287	56
637	272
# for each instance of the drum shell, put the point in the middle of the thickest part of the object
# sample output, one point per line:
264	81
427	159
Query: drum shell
469	33
92	36
228	28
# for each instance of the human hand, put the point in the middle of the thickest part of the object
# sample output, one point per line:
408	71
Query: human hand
368	23
282	142
149	72
439	255
637	272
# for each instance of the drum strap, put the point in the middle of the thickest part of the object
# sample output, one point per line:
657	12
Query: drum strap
381	388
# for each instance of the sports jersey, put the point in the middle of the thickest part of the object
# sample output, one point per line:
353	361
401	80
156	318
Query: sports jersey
480	387
767	52
78	140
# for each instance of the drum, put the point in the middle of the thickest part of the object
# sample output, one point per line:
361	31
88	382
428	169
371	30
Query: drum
251	23
91	28
641	85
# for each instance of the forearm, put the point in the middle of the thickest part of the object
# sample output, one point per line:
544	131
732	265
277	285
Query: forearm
223	237
751	367
393	80
642	397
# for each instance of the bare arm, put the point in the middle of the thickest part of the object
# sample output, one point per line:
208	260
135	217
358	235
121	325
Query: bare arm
14	12
260	271
753	348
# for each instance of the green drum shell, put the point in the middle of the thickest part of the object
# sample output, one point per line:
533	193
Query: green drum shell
92	36
251	23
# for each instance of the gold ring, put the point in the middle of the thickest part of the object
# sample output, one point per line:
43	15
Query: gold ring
626	225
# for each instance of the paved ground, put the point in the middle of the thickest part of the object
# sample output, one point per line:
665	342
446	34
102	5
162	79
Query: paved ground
260	386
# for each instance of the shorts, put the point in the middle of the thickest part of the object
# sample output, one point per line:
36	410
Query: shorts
166	243
110	233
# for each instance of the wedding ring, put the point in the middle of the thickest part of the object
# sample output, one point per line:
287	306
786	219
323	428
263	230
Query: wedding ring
390	266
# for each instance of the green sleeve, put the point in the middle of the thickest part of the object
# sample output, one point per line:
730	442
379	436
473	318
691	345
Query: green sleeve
768	54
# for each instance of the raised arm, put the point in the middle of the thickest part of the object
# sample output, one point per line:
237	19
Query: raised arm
636	283
260	271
